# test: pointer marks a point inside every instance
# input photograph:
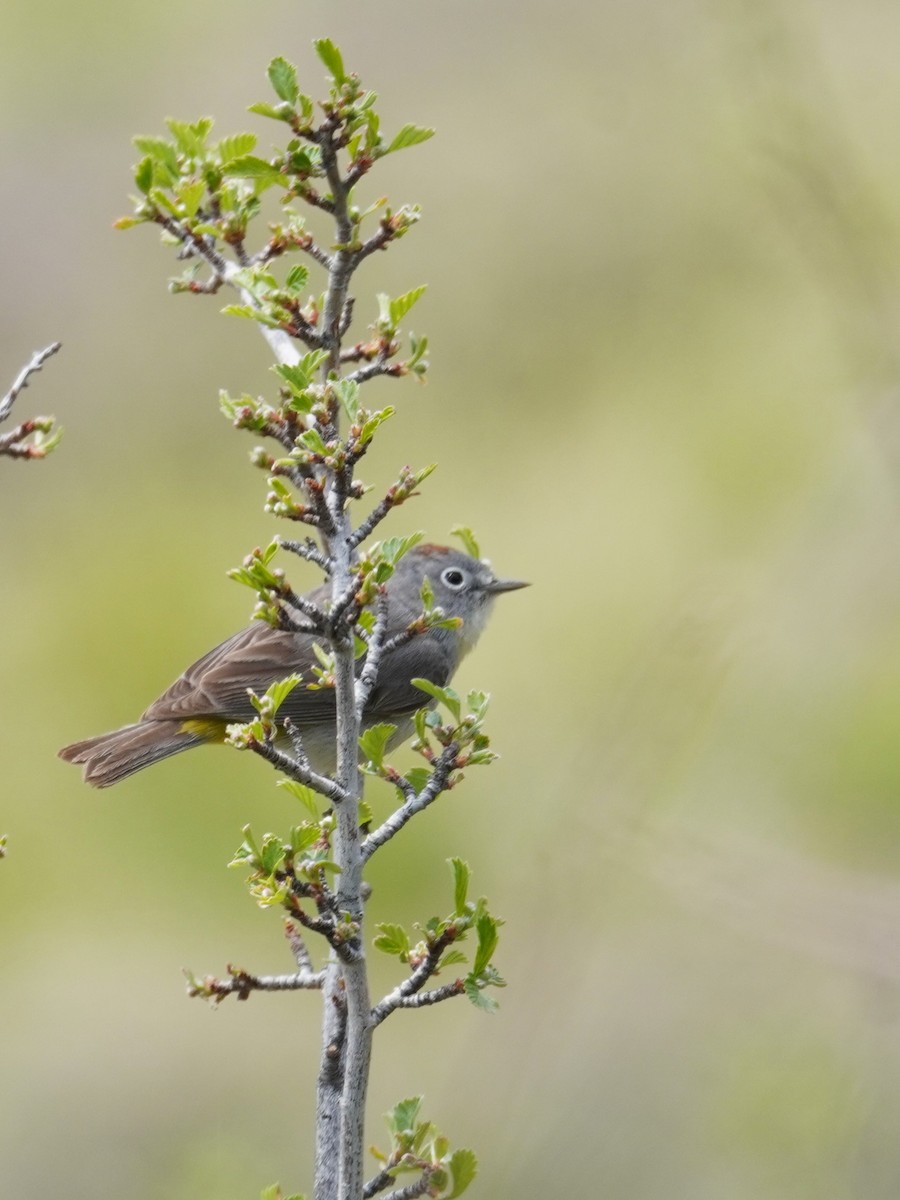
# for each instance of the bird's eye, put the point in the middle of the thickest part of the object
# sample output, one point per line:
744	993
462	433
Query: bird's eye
453	578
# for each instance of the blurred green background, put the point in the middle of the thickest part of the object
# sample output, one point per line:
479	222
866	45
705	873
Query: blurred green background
662	242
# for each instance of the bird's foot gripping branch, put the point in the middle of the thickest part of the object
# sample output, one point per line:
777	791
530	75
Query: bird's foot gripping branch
326	681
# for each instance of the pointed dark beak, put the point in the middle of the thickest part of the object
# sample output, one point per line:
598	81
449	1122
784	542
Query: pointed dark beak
505	585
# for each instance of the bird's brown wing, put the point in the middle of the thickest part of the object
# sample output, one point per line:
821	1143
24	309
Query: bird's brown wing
216	684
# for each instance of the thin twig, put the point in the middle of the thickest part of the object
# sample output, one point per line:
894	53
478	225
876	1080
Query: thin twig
368	677
322	784
309	550
280	342
412	1190
242	983
378	241
414	983
20	382
375	517
438	783
435	996
380	366
298	947
377	1184
317	617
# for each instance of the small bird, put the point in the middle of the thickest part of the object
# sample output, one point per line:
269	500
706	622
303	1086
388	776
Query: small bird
212	693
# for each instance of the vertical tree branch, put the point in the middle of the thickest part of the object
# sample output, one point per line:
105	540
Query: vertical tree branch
342	1093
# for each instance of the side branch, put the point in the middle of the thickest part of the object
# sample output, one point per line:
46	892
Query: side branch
429	966
369	674
21	381
242	983
438	783
322	784
412	1190
280	343
435	996
384	1179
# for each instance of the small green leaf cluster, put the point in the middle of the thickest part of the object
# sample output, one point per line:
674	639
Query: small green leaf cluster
194	181
465	731
282	870
432	949
269	583
447	747
204	194
35	437
348	104
263	728
418	1147
274	1192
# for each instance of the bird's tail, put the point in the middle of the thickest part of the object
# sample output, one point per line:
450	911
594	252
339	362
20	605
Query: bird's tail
110	757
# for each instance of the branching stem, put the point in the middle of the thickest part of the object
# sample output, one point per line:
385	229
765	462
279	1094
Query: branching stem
439	782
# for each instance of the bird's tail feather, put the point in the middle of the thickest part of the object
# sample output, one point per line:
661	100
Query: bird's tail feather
110	757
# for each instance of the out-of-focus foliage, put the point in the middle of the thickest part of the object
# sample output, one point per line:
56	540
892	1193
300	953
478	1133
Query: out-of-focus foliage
661	246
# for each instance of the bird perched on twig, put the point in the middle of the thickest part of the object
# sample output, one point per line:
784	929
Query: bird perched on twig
213	692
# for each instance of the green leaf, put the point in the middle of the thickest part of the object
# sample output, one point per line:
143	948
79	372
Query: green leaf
235	146
416	361
190	194
280	690
304	836
392	939
402	304
445	695
313	441
347	391
393	549
274	1192
418	777
331	57
161	151
283	78
307	797
488	937
409	135
461	874
427	594
463	1169
478	703
143	174
298	376
468	539
273	853
478	996
375	419
384	309
281	112
190	138
373	742
250	166
296	278
403	1117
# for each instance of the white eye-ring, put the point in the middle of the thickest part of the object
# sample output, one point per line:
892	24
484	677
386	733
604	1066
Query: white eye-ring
453	577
